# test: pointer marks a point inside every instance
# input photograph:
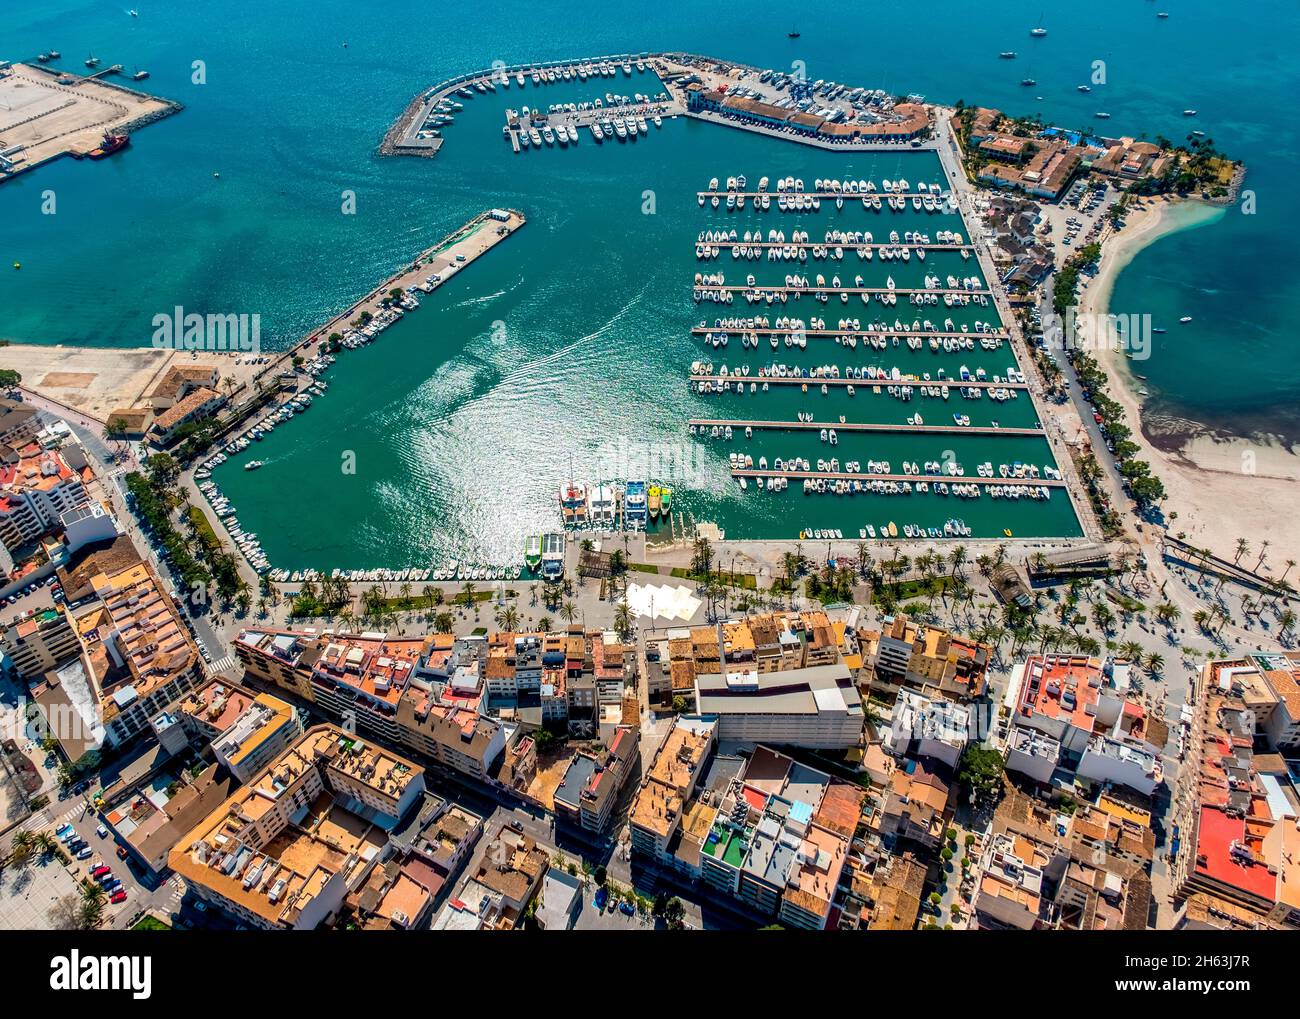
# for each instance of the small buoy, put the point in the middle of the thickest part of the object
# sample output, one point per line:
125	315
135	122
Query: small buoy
215	174
18	265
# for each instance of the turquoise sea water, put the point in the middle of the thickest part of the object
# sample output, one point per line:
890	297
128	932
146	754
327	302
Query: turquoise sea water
460	428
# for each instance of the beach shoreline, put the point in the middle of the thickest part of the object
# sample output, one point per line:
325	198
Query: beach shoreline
1222	487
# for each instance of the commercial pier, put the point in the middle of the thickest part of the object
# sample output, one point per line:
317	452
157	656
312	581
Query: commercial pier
47	114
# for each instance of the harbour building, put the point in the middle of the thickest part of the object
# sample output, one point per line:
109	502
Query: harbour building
817	707
1068	723
285	851
101	671
244	730
592	782
396	689
37	486
1234	855
656	813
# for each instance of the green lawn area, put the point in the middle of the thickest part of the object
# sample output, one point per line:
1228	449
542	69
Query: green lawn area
206	534
907	589
418	603
745	581
150	923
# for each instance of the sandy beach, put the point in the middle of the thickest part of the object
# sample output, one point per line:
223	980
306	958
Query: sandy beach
1222	487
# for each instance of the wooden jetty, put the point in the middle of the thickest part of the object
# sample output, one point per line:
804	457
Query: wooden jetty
862	334
755	472
909	380
859	426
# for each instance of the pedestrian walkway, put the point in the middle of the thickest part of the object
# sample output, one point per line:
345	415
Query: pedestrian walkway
221	665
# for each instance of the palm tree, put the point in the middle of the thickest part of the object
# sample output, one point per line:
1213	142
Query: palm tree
1168	613
1286	621
508	619
568	611
21	848
623	621
958	560
92	904
442	622
1131	651
1243	546
1154	663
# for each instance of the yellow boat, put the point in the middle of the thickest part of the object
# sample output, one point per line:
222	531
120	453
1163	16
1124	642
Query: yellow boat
1007	531
653	500
893	529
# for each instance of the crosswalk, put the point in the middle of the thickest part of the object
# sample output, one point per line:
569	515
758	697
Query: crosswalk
221	665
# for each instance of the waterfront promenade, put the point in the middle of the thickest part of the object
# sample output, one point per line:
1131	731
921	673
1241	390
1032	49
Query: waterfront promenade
963	191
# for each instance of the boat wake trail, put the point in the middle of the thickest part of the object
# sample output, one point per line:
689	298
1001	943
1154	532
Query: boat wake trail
530	368
470	302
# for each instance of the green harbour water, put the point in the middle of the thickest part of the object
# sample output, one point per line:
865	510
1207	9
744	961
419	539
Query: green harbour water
559	356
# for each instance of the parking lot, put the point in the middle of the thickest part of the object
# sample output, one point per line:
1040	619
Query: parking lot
1076	219
83	823
614	916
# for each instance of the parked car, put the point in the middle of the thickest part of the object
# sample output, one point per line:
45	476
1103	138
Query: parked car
99	869
117	896
101	831
627	907
104	877
85	854
112	885
76	845
62	830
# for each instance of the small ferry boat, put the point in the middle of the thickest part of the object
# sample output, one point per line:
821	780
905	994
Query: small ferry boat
533	552
1007	55
253	465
